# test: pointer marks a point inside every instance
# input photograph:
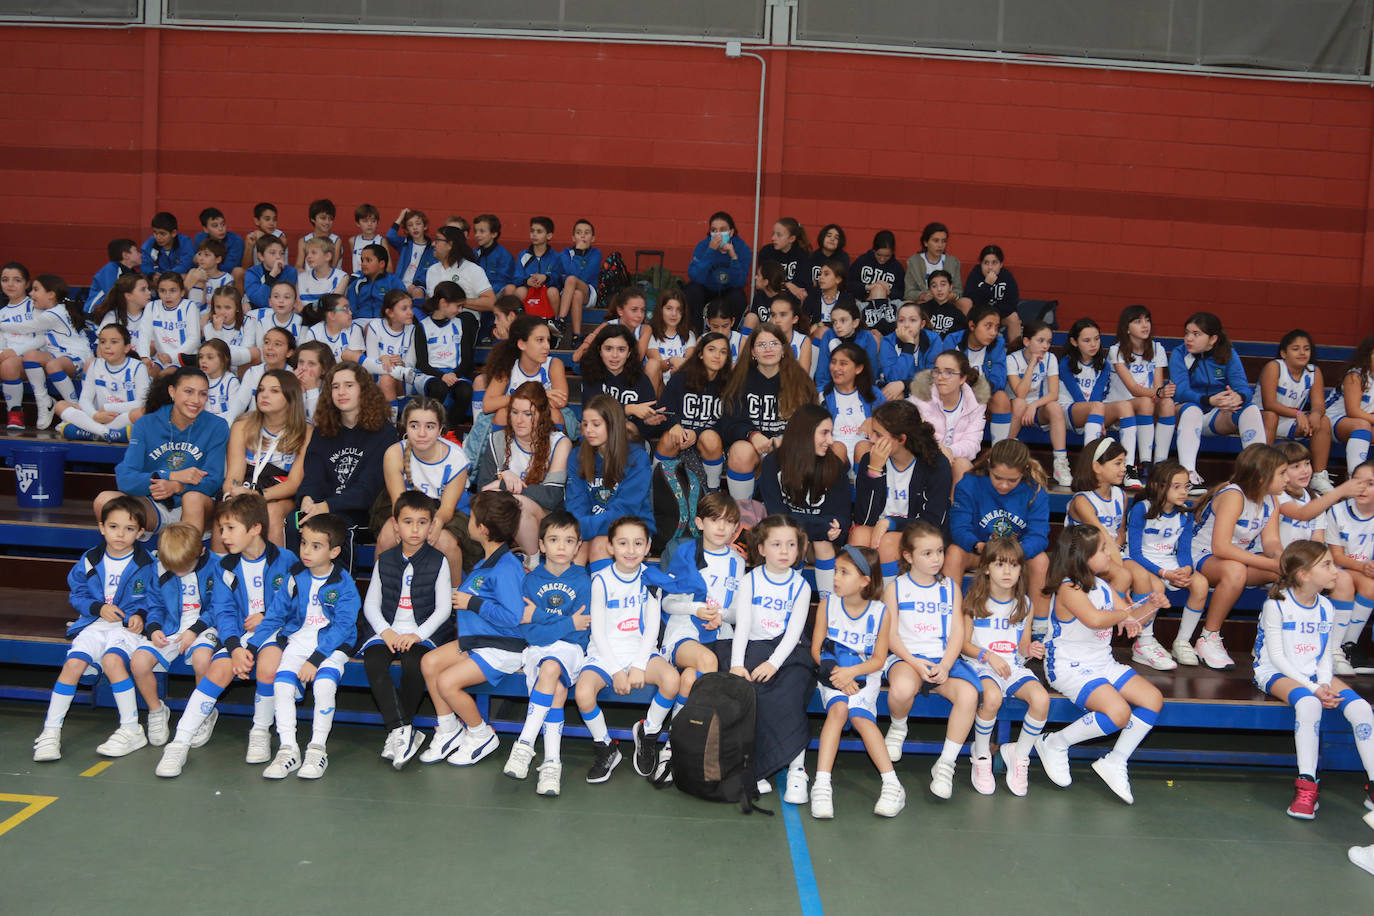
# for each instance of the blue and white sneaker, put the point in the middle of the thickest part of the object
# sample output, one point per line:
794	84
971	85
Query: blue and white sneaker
477	744
442	745
119	435
76	434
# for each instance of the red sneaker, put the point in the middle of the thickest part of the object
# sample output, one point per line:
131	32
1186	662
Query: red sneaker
15	420
1304	804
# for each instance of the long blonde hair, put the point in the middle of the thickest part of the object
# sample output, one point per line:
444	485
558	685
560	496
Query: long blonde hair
292	436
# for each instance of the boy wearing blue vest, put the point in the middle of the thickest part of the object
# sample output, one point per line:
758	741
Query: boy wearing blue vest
307	636
249	574
367	290
407	612
557	627
110	589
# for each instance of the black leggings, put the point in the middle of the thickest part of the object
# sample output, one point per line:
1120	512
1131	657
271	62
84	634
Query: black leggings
397	707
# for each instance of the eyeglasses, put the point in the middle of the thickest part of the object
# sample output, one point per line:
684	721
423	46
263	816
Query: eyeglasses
343	309
944	373
767	345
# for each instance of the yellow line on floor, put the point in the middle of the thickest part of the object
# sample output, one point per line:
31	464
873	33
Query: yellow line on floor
32	805
99	768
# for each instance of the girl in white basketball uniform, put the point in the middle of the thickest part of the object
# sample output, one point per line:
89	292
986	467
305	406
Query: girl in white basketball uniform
391	347
1350	533
1080	665
1293	663
927	635
998	640
227	322
1140	373
1291	397
113	393
770	617
1350	404
335	328
849	644
215	361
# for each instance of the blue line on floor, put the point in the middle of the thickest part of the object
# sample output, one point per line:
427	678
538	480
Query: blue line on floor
807	893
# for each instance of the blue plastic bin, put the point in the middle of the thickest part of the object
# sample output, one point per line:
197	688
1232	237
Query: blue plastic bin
38	471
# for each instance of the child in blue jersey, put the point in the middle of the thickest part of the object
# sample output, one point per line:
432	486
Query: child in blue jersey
250	573
111	588
927	632
607	478
492	257
711	569
176	625
536	273
174	325
557	627
215	228
1211	390
166	249
1292	660
1003	496
849	643
369	288
407	612
982	344
909	349
409	235
580	266
770	617
997	643
1033	384
258	281
1084	378
489	609
1291	393
124	258
1079	662
626	608
1350	405
1236	542
307	636
850	396
1159	538
846	327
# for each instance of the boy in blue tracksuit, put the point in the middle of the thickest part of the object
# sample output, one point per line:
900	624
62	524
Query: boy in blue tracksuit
537	266
124	258
1211	391
366	292
409	235
557	628
308	635
492	256
270	269
111	586
215	226
175	459
166	249
250	573
580	267
186	574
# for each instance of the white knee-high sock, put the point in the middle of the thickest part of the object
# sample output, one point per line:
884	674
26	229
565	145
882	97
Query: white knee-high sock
284	703
1144	438
825	577
1129	438
78	418
63	384
1361	719
540	704
325	690
553	735
1094	427
1251	425
1187	624
740	484
1031	728
596	725
1359	616
1084	728
1137	727
126	701
199	704
982	736
58	704
1164	436
713	467
263	706
1343	611
1356	449
1000	426
38	381
1307	727
1189	436
13	392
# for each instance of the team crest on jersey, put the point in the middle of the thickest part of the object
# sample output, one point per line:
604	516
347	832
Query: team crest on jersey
331	596
478	583
138	586
556	600
276	581
1363	731
1003	528
176	461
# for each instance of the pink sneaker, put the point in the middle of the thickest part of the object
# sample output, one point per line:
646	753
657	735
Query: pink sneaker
1018	770
983	779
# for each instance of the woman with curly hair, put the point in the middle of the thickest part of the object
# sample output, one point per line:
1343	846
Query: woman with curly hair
343	463
528	459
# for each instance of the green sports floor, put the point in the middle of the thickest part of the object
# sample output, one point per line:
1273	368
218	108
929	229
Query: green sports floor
76	837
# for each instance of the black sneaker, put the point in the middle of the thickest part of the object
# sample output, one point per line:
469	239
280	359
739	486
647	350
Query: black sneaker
646	750
607	759
1358	658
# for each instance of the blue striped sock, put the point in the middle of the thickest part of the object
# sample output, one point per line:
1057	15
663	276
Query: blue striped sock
999	425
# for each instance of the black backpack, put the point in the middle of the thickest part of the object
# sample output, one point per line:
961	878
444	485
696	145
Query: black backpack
713	742
614	277
675	492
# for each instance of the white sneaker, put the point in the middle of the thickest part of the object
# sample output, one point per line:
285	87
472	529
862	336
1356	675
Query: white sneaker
1363	856
1340	665
1055	760
45	411
1018	770
550	778
795	793
48	747
389	746
1183	653
1321	483
1148	651
518	763
259	747
125	740
822	801
942	779
408	744
443	744
1211	650
476	745
765	786
1063	475
1196	485
315	763
206	729
983	780
173	760
159	726
891	800
287	761
896	736
1113	773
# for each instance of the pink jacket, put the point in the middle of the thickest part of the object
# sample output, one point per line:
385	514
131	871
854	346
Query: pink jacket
968	423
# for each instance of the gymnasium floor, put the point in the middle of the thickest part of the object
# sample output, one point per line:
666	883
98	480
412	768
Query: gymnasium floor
74	835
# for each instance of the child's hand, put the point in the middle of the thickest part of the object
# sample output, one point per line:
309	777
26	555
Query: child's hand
185	638
557	399
999	664
939	674
242	661
1028	416
1178	578
306	674
104	416
390	637
740	671
989	276
763	673
252	621
134	624
620	682
512	481
405	641
834	531
1328	697
537	279
1130	627
582	620
840	678
894	390
160	640
529	611
636	678
460	600
1036	650
111	613
881	451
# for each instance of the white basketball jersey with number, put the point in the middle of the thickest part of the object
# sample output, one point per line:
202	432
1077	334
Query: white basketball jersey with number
996	632
629	607
518	376
1352	532
774	602
429	477
310	287
851	639
1306	633
924	615
348	338
520	459
1074	642
1246	535
1161	536
1111	511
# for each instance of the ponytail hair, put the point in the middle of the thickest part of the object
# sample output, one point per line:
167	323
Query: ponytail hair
1013	453
1070	558
1296	557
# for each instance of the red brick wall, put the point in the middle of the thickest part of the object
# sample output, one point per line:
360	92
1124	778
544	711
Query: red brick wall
1105	187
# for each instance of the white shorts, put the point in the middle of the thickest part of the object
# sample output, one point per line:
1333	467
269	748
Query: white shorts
166	656
162	517
296	653
1077	681
101	638
1019	676
862	705
1266	675
607	669
680	629
59	353
496	663
568	655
